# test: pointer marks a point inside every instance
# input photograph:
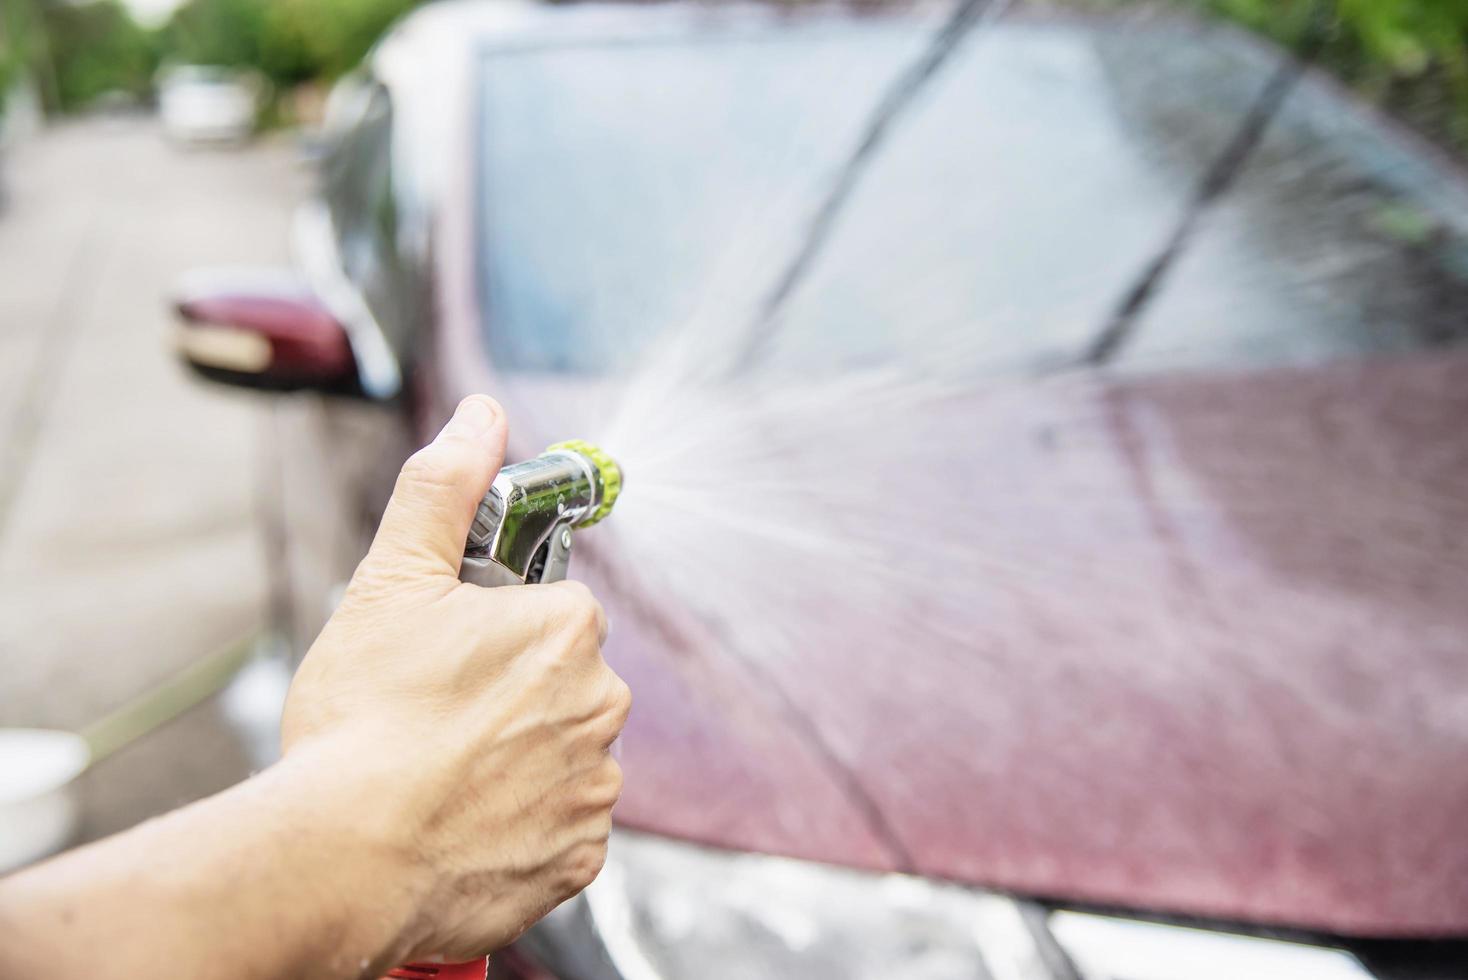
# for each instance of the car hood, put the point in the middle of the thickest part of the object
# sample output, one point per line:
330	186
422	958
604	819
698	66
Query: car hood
1190	644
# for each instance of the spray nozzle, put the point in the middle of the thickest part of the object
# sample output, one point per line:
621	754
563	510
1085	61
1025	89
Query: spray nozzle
522	530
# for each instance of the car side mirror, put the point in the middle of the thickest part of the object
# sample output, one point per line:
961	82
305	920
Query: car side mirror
263	330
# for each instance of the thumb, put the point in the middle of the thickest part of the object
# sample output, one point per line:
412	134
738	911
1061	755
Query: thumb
427	520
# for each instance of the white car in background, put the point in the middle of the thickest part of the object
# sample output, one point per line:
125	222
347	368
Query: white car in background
205	104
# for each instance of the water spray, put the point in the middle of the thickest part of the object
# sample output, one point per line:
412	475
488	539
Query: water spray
521	535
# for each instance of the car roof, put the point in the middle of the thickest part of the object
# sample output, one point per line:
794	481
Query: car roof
479	24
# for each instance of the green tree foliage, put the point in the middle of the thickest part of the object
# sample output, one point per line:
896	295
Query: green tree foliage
97	48
22	42
289	40
217	32
76	51
1412	54
338	33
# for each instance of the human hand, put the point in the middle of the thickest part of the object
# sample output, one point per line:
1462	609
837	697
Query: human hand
464	731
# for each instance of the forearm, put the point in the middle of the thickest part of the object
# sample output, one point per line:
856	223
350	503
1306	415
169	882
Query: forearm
447	780
285	875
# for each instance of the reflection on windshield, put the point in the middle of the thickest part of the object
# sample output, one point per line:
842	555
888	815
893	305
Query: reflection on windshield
629	190
619	183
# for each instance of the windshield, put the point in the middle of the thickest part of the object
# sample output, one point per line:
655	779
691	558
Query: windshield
623	186
999	224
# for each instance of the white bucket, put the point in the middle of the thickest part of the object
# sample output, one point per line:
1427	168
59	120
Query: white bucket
38	814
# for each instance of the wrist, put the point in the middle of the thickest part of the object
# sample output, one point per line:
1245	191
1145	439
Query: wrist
356	845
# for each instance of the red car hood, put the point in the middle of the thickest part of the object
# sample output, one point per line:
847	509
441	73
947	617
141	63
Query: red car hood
1192	644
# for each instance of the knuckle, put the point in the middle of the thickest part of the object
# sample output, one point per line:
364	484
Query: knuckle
612	779
607	729
571	591
604	833
585	620
621	697
616	706
589	861
434	467
575	609
575	596
580	866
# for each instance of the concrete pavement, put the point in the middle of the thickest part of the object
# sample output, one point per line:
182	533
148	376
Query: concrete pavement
130	493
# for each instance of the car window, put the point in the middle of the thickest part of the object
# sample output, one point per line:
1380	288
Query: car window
358	188
357	178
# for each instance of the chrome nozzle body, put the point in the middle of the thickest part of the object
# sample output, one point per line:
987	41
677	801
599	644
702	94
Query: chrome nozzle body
522	529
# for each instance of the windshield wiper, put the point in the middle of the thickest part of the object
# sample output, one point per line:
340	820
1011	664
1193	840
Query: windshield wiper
893	103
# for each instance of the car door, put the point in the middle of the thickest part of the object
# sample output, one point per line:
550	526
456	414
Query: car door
338	457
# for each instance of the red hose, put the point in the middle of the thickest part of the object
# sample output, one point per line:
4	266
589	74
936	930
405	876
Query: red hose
473	970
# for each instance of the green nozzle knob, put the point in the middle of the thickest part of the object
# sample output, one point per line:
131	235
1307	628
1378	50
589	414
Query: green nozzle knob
607	469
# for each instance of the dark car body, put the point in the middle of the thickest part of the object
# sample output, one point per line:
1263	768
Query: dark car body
1196	642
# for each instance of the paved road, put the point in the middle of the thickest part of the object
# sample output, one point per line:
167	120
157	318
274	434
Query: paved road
129	493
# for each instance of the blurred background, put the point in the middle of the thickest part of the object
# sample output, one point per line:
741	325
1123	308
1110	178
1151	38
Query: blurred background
1155	307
